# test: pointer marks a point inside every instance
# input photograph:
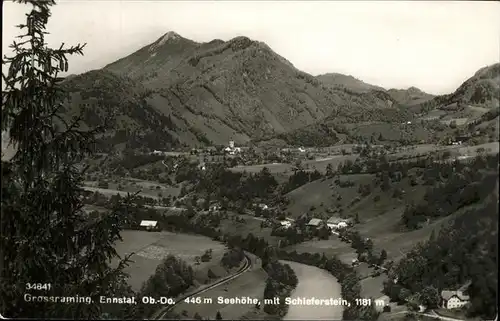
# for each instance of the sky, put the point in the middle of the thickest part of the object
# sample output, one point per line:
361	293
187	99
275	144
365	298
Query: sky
432	45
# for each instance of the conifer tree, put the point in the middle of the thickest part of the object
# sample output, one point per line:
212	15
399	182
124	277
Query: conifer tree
46	237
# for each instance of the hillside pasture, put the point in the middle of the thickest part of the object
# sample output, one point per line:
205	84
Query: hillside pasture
272	167
150	248
319	164
389	131
130	185
332	246
323	194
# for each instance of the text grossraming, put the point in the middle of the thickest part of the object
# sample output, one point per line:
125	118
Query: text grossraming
57	299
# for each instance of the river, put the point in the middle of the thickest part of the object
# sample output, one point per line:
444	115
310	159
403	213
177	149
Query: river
314	283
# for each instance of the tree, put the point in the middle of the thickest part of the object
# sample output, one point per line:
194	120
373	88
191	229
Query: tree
329	170
218	316
404	294
45	236
197	316
383	257
385	182
211	274
298	166
430	297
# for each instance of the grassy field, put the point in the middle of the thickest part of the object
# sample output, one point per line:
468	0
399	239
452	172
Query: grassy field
323	194
319	164
333	246
90	208
372	286
273	168
390	132
110	192
379	219
250	284
246	226
132	185
151	248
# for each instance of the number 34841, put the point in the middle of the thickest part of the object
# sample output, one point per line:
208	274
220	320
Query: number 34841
38	286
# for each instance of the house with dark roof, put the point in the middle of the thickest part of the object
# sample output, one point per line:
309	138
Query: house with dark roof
455	299
335	223
316	223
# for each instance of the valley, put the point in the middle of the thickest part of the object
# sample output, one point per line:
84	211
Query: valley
378	214
198	178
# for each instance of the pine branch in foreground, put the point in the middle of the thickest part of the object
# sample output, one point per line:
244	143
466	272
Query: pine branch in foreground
46	237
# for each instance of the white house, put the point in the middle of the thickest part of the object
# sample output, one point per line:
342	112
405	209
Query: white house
302	149
263	206
453	299
335	223
286	224
215	207
157	152
149	225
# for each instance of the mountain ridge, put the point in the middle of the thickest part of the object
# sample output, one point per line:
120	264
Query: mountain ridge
239	89
474	100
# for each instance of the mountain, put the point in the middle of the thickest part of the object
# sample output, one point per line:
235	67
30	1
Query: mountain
336	80
236	89
410	96
407	97
99	93
208	93
479	91
474	104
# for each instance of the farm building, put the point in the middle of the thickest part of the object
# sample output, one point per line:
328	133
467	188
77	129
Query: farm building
349	221
316	223
335	222
286	223
263	206
455	299
215	207
149	225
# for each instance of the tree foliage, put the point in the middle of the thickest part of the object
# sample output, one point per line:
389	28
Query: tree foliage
45	236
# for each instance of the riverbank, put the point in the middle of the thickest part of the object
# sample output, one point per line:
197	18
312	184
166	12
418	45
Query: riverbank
314	283
346	276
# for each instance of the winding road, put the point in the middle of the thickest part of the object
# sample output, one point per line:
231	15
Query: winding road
160	315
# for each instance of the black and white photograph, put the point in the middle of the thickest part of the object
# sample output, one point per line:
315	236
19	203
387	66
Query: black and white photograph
250	160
